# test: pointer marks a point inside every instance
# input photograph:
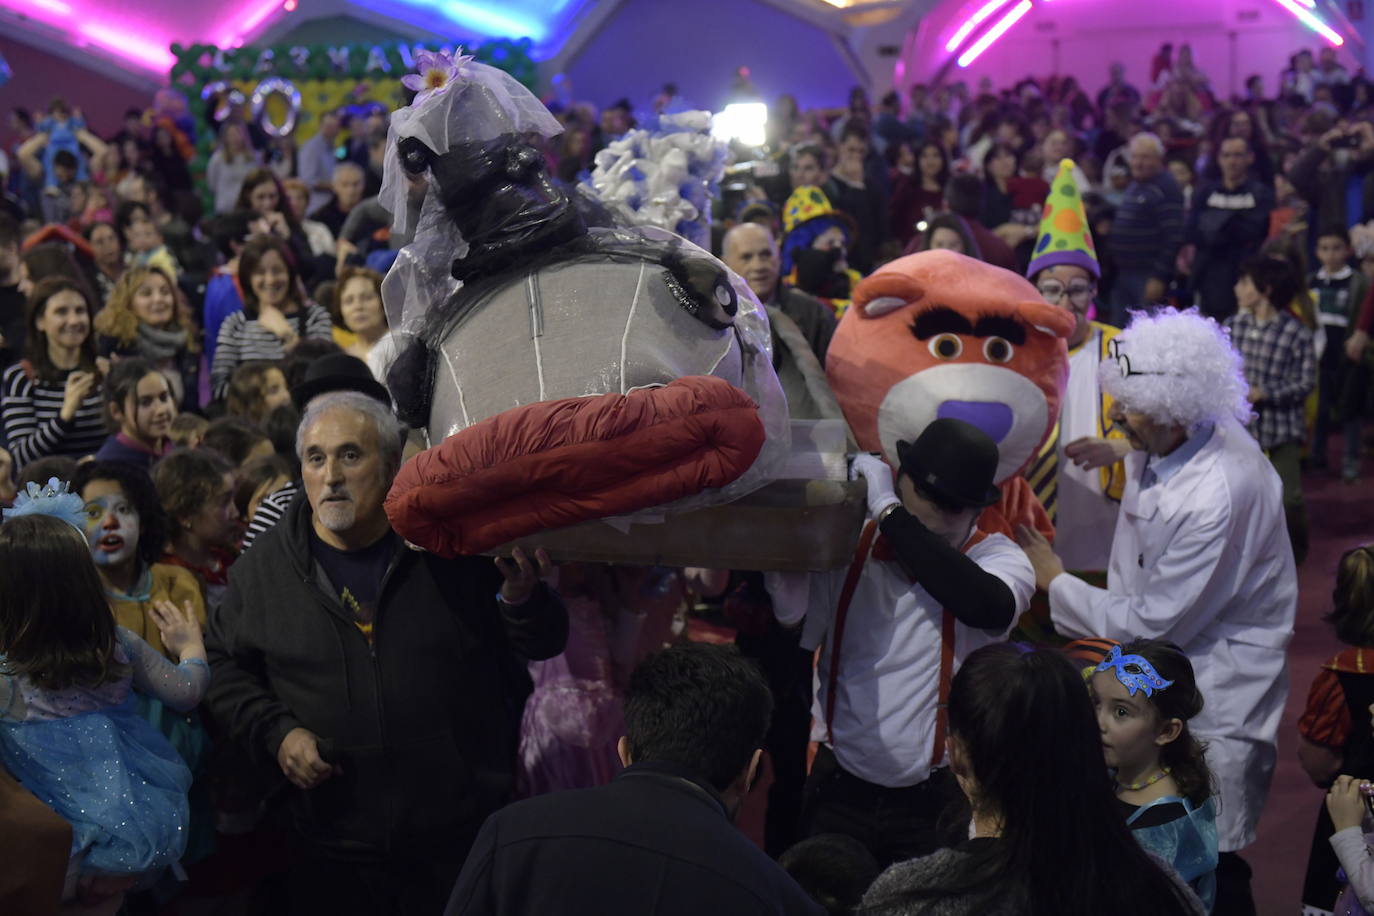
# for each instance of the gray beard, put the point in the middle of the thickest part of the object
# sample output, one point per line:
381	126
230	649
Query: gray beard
338	516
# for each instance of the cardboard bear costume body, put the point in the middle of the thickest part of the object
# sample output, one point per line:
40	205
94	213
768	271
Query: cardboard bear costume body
938	334
563	373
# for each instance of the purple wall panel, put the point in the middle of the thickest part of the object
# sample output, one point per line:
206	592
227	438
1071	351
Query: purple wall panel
698	44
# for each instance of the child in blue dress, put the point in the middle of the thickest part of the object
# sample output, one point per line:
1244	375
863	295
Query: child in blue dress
1144	693
70	731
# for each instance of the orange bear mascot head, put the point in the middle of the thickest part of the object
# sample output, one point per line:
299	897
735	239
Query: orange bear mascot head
938	334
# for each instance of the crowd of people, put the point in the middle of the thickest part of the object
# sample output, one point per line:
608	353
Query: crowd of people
212	639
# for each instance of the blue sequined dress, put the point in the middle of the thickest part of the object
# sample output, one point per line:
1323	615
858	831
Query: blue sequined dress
88	754
1188	843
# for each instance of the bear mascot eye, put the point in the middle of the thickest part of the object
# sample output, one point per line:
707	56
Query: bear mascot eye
998	350
946	346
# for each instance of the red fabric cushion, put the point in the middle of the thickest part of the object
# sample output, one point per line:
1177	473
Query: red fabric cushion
555	463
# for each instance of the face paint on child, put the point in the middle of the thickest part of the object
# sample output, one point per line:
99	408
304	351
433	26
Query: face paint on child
112	524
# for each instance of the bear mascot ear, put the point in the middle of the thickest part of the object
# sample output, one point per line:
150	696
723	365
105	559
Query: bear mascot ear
1046	318
886	292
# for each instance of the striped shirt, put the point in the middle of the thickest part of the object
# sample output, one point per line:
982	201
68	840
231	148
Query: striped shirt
31	410
269	512
242	339
1278	359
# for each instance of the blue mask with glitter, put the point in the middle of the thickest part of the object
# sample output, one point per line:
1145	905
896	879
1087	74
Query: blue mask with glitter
1134	672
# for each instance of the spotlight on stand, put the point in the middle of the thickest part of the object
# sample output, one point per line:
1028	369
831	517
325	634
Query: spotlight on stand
741	122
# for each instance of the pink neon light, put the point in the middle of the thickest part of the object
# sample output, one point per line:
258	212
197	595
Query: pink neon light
234	36
972	22
997	31
1312	22
53	6
119	41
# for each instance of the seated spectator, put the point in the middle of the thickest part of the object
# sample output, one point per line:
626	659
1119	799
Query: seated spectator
51	259
196	489
140	408
317	233
1013	712
833	869
13	302
256	388
146	318
946	232
50	401
230	232
143	239
236	441
275	317
920	195
347	186
964	197
357	306
107	251
126	531
695	717
815	237
232	161
264	202
850	191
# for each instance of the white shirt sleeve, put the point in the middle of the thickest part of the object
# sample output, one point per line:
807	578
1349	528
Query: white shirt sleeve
1353	853
1186	583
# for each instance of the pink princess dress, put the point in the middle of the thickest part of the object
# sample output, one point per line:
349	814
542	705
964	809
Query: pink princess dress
575	716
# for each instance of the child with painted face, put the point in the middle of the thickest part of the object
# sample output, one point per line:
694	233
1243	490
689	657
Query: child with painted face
139	409
1144	694
126	531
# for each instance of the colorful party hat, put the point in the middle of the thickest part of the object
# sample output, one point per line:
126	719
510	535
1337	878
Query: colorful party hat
1064	234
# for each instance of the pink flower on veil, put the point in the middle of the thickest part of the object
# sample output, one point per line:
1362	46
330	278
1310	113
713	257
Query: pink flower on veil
435	71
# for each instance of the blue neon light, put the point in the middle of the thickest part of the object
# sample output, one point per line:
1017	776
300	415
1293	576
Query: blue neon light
541	21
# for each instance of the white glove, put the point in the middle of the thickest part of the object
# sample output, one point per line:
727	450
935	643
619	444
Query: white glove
881	495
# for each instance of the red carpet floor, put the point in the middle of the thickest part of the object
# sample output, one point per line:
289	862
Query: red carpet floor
1341	516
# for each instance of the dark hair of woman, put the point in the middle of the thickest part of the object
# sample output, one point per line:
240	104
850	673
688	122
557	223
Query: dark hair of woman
1023	732
1182	701
138	488
54	259
1352	600
253	253
943	177
260	177
36	343
56	628
253	475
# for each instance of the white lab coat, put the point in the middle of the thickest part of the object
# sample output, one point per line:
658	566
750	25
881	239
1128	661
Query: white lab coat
1203	560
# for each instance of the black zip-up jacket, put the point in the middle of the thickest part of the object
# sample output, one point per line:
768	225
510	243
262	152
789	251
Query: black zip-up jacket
422	723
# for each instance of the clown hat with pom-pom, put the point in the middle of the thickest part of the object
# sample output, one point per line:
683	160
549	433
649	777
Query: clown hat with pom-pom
1065	237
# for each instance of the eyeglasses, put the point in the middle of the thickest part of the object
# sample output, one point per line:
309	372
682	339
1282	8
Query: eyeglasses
1123	362
1079	293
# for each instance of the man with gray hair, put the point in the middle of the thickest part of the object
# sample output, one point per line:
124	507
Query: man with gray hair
1147	231
384	683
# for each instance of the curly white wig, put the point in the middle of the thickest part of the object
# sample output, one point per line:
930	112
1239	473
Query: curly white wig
1184	370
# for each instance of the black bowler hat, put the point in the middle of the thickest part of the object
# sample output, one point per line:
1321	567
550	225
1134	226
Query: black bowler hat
338	372
953	461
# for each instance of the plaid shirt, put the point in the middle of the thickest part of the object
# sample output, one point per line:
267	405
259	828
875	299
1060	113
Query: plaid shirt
1280	361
